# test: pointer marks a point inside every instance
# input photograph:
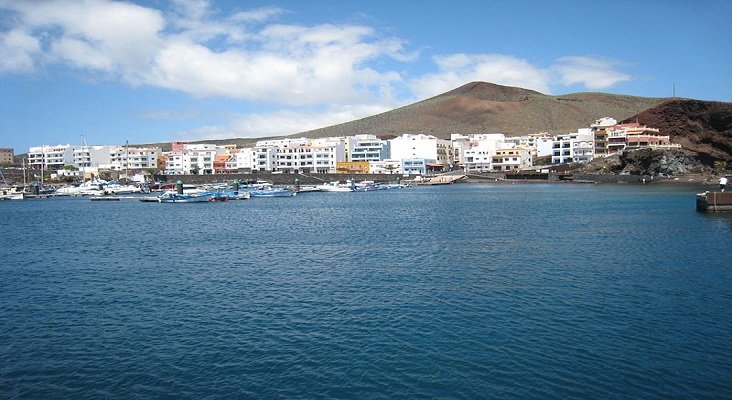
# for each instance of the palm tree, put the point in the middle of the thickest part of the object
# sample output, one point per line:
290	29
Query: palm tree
720	166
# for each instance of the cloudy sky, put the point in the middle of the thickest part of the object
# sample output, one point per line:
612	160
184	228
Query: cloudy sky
154	71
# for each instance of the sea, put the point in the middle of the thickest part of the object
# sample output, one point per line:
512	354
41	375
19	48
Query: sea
466	291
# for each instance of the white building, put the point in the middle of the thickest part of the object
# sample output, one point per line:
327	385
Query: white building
264	158
125	158
242	160
51	157
460	143
573	147
91	158
437	153
299	155
193	159
538	144
478	157
366	148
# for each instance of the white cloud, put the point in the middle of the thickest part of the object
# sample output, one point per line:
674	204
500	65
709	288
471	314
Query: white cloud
18	50
591	72
248	56
458	69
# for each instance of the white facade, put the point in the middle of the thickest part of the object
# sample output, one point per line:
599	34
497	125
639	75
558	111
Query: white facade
410	146
264	158
414	166
460	143
366	148
193	158
573	147
92	158
479	156
133	158
436	152
538	144
300	155
544	146
88	158
243	159
51	156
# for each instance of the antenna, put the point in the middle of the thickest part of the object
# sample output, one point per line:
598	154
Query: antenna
674	90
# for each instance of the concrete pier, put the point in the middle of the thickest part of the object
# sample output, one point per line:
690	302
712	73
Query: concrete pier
714	202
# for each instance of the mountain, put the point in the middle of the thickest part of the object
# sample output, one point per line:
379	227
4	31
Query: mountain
700	127
481	107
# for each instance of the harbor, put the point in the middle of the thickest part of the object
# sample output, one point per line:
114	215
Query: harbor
293	296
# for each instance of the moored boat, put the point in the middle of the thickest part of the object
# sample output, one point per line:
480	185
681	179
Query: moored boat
336	187
11	194
272	192
189	197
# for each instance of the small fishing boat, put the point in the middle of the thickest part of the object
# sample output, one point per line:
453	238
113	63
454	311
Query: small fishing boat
272	192
190	197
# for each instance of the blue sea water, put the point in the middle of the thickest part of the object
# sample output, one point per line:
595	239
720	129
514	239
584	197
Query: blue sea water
460	292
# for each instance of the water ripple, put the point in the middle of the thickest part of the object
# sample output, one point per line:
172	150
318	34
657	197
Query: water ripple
467	291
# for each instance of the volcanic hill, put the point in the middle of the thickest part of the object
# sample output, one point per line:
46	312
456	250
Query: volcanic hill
481	107
703	128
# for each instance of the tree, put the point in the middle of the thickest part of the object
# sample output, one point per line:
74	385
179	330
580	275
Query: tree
720	166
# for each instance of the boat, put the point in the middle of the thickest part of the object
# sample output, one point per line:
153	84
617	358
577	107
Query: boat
307	189
272	192
94	187
11	194
183	198
118	188
337	187
237	195
172	196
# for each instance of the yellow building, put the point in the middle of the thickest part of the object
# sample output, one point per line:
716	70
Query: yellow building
352	167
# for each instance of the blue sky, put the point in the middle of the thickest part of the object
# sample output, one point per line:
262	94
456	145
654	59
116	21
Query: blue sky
156	71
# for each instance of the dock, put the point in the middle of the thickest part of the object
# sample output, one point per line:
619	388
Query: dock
714	202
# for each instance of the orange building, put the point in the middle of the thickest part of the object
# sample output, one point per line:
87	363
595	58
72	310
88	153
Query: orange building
352	167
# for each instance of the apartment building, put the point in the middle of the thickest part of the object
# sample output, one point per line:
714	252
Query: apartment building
573	147
511	159
6	156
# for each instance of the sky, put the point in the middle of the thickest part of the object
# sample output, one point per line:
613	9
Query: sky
105	72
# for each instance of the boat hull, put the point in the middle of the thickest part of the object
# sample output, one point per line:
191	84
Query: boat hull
272	193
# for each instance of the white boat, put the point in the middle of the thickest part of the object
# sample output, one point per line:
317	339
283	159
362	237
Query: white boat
238	195
272	192
11	194
193	196
93	187
118	188
336	187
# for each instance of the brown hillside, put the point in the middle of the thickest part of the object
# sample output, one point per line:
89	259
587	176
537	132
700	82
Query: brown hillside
481	107
701	127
